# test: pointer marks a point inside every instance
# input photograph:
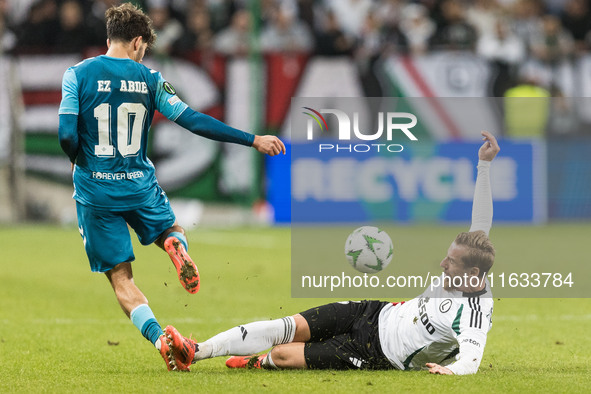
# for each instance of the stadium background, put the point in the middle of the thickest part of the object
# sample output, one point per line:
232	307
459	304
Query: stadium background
242	62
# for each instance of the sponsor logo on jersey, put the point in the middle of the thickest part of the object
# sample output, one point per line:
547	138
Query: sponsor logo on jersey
471	341
424	316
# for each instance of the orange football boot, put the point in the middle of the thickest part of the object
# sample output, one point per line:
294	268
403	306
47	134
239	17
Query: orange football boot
183	349
185	267
167	353
246	361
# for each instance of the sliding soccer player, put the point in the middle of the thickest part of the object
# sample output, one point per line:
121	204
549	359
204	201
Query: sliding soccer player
443	330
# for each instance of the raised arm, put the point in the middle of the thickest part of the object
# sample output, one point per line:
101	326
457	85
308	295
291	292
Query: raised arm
482	207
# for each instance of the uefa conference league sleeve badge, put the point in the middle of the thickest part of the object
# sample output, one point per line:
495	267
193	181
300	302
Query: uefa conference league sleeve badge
168	88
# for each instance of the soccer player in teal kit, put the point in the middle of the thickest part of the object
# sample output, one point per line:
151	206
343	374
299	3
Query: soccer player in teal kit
108	103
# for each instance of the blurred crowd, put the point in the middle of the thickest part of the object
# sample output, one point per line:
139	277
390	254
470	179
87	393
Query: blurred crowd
507	29
506	32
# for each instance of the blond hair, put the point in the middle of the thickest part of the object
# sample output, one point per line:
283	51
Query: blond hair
481	252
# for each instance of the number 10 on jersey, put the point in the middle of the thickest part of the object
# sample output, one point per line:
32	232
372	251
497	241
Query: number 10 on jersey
130	125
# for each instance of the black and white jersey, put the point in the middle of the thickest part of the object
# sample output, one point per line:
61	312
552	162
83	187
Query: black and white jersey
440	326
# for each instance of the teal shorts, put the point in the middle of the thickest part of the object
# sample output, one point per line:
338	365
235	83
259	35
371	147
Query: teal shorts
106	236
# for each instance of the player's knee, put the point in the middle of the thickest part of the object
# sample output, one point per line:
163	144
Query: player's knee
280	356
283	356
302	333
288	356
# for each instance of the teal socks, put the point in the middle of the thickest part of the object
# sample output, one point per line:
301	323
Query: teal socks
181	237
143	318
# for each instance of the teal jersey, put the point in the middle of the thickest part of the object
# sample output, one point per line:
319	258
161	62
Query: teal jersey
115	100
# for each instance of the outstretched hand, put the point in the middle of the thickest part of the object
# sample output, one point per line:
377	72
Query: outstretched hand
438	369
490	148
268	144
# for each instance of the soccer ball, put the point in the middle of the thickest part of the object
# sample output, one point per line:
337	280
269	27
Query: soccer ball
369	249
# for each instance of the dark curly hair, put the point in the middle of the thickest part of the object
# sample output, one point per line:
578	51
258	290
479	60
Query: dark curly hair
126	22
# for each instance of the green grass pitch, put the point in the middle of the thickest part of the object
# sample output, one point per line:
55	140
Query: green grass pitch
61	328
